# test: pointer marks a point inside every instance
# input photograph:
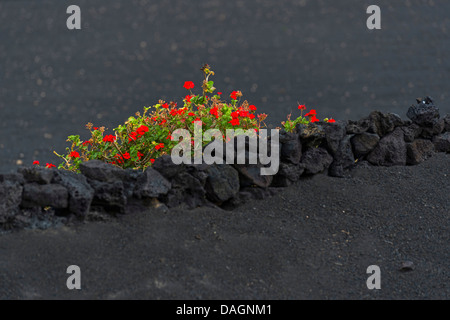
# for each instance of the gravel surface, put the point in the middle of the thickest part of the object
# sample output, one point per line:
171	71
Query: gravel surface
314	240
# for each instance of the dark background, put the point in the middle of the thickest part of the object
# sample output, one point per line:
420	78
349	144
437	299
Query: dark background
129	54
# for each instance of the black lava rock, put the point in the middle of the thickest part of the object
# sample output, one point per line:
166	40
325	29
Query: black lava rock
80	192
390	151
316	160
425	113
37	174
222	183
102	171
291	147
151	184
442	142
364	143
43	195
10	197
418	151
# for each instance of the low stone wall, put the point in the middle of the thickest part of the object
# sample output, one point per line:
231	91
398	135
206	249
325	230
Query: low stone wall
36	197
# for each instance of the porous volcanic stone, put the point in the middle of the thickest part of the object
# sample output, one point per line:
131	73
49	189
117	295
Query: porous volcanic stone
166	167
334	133
222	182
447	123
291	147
316	160
10	196
425	113
288	173
186	191
151	184
356	127
382	124
390	151
109	195
418	151
311	135
434	130
442	142
37	174
343	158
411	132
364	143
250	175
102	171
43	195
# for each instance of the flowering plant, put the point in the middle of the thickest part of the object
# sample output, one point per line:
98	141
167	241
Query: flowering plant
310	117
147	136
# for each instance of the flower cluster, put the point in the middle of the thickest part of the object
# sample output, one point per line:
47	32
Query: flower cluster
147	136
310	117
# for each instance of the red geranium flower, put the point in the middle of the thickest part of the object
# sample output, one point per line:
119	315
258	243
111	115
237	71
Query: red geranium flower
86	143
165	105
214	112
133	137
36	162
219	93
251	116
152	161
188	85
302	107
234	122
235	114
252	108
126	155
50	165
331	121
188	98
233	95
173	112
314	118
197	119
74	154
140	155
142	130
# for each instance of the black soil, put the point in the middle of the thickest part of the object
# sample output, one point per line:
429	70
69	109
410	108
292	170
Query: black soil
313	240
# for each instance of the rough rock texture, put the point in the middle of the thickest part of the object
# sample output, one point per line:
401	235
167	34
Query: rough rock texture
80	192
10	196
316	160
222	183
442	142
288	173
291	147
390	151
418	151
364	143
151	184
43	195
411	132
101	171
425	113
38	174
343	158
